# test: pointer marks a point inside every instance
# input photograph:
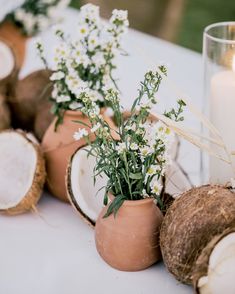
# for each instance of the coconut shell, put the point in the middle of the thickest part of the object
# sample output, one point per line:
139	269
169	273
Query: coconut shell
5	116
30	92
34	193
71	197
190	224
14	37
201	266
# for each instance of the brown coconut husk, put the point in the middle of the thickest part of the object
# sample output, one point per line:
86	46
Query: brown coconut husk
43	119
33	195
5	116
8	82
201	266
30	92
14	37
190	224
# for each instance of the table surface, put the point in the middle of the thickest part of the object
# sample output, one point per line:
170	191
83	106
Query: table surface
53	251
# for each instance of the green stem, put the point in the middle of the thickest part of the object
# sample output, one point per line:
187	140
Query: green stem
127	170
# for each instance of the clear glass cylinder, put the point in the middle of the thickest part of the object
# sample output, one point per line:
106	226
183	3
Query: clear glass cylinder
219	87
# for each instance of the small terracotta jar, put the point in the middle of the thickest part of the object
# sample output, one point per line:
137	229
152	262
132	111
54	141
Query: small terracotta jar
130	240
13	36
59	146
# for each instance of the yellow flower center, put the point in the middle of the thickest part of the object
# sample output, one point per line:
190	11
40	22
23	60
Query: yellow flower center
150	171
168	131
83	31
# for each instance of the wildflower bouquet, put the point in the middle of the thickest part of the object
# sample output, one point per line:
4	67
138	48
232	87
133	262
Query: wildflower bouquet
34	16
86	64
135	163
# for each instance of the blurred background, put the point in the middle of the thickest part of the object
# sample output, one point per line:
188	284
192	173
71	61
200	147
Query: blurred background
178	21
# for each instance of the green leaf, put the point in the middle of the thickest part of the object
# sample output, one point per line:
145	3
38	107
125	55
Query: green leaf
81	123
105	198
115	205
137	176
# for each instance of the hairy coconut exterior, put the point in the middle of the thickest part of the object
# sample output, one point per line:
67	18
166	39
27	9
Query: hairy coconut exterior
35	191
14	37
191	223
30	92
43	119
201	266
5	116
7	83
71	197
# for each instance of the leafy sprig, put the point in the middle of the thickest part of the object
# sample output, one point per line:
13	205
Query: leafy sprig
135	155
86	64
175	114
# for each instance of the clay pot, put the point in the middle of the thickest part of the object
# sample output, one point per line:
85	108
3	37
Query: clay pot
130	240
59	146
14	37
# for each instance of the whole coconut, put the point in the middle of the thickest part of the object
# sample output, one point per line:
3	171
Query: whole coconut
30	92
5	117
191	223
43	119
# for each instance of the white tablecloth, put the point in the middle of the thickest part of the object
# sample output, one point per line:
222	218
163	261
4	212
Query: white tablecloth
53	252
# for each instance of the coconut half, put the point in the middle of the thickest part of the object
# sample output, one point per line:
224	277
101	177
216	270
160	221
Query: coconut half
82	193
22	172
84	196
214	270
7	67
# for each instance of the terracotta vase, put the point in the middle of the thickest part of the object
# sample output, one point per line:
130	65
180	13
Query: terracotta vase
13	36
130	240
59	146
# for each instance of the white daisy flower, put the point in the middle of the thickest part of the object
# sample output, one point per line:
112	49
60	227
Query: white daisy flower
121	147
80	134
120	15
98	59
63	98
95	127
134	146
153	169
57	76
145	151
156	186
93	40
75	105
83	30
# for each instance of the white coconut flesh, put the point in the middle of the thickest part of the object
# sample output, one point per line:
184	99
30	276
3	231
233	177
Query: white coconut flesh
84	193
18	161
6	61
221	268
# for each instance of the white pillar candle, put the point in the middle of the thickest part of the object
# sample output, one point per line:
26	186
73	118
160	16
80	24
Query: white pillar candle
222	115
